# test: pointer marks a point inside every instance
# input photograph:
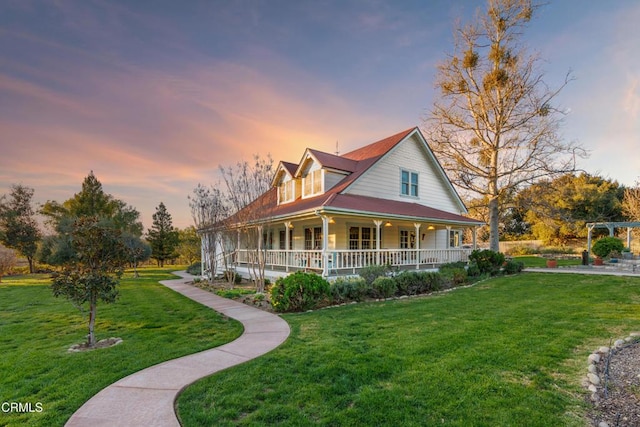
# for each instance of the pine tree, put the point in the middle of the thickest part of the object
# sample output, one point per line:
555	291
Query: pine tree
162	236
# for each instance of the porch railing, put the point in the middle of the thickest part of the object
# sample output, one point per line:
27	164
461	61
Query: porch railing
351	260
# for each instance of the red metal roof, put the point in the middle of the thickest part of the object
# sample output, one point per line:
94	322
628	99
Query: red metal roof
356	162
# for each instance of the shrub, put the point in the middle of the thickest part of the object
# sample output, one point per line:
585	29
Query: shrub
195	268
414	283
348	289
487	261
521	250
604	246
513	267
473	270
383	287
454	273
234	276
299	291
372	272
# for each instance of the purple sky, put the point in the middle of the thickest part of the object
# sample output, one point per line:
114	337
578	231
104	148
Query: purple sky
154	95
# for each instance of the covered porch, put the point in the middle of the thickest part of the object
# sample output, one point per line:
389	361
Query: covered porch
337	244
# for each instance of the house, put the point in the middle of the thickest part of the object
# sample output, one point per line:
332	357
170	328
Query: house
389	202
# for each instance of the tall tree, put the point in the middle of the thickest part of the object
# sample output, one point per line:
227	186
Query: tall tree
18	225
494	127
246	183
91	229
162	236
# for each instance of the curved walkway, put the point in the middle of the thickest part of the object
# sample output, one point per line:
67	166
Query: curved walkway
146	398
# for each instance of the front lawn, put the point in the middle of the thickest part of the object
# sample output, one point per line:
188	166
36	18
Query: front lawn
36	330
509	351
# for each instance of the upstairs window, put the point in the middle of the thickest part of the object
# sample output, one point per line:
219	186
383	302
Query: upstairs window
287	191
312	183
409	183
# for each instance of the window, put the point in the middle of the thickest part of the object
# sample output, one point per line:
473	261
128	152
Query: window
407	239
409	183
312	238
312	183
267	240
283	237
362	238
287	191
454	238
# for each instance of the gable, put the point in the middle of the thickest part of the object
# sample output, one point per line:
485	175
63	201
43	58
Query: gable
412	154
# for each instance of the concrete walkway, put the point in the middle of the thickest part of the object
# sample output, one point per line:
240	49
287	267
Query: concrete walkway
146	398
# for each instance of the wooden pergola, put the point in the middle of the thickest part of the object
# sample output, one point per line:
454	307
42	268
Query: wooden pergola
611	226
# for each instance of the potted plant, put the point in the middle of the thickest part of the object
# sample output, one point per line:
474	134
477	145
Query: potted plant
603	247
552	263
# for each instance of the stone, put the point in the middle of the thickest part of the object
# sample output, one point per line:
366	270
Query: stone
593	389
634	334
619	343
593	379
603	424
604	350
594	358
592	369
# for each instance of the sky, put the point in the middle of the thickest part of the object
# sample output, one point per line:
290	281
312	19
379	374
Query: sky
153	96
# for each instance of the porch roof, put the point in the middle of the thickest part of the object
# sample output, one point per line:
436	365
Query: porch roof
334	203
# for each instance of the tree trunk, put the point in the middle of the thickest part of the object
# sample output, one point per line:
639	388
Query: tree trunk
91	338
30	260
494	236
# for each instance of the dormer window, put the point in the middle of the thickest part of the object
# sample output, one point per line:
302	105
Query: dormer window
287	191
312	183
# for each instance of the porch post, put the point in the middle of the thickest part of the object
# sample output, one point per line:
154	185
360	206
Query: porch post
611	228
475	237
448	243
287	244
590	229
378	223
325	243
417	226
629	237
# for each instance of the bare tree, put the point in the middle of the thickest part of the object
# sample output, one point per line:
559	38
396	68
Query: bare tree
209	209
247	185
495	127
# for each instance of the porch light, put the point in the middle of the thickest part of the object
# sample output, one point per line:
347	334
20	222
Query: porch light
431	227
332	221
387	224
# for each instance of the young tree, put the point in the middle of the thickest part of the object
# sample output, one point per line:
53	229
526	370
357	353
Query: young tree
494	127
8	260
162	236
631	203
89	244
18	226
94	272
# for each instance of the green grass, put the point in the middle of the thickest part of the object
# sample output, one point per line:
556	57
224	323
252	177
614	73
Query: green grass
509	351
36	330
536	261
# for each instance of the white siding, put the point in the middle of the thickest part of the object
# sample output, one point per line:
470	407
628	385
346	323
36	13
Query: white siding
383	179
331	179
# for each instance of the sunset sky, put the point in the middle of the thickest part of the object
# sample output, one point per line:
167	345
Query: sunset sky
154	95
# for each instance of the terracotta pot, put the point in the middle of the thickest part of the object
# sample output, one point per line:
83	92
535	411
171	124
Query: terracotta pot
598	261
552	263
